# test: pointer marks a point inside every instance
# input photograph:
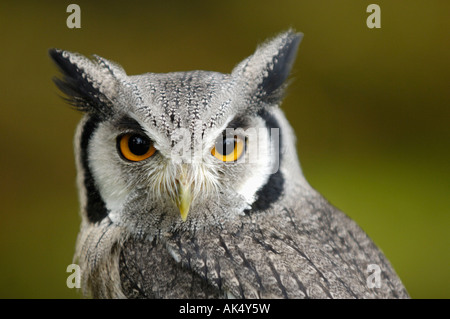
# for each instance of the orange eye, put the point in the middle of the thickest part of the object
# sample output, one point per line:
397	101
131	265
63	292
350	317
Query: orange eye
135	147
228	149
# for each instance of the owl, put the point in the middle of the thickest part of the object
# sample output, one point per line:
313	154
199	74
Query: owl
190	187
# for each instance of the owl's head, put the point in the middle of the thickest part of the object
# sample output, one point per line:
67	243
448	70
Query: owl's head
156	152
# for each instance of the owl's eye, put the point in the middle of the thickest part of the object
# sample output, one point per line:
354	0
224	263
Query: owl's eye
135	147
229	149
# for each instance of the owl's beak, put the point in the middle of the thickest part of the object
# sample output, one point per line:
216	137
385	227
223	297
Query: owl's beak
184	197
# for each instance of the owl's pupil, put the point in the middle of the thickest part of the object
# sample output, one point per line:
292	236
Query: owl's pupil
226	146
138	145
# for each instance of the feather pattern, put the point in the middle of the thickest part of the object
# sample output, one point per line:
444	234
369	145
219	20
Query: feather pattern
251	232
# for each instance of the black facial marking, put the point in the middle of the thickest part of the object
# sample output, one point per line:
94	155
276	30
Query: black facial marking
270	193
274	187
271	122
95	206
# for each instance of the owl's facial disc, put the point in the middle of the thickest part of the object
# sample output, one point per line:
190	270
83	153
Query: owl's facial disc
146	179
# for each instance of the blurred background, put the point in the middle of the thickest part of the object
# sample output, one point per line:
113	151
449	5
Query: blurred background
371	109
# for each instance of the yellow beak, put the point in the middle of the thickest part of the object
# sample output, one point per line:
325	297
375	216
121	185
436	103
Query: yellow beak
184	198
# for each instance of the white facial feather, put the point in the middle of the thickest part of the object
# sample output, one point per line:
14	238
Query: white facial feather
104	161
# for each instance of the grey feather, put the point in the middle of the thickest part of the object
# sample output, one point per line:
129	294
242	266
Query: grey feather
252	231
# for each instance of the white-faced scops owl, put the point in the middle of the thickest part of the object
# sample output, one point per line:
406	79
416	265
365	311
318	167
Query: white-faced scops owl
190	187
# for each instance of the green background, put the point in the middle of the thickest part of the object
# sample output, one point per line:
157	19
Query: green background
370	108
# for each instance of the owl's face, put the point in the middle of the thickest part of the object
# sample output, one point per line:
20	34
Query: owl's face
182	167
157	152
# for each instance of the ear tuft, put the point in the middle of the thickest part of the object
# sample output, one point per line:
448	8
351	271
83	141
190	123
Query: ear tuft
263	73
90	87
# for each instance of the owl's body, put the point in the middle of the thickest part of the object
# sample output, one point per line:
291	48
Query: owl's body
156	145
